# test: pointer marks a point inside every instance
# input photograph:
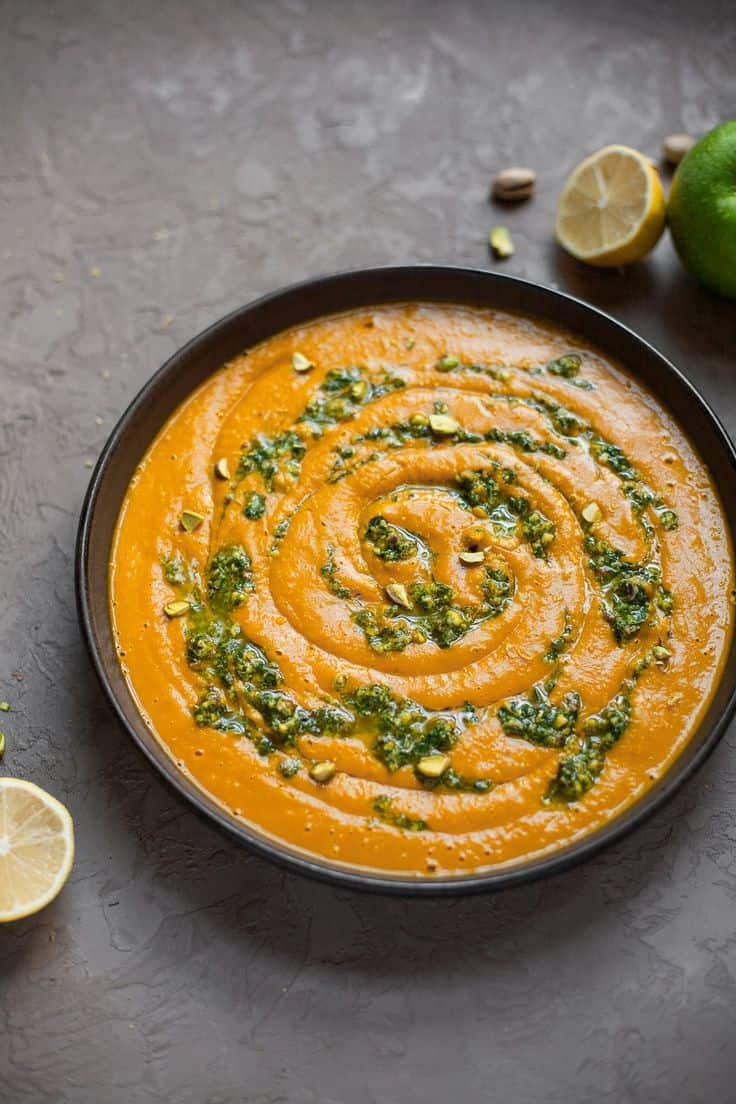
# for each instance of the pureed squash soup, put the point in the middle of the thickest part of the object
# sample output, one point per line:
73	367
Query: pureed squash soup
422	588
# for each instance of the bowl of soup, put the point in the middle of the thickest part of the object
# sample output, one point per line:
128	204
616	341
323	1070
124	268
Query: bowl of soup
417	579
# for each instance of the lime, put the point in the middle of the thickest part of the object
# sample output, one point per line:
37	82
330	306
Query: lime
702	209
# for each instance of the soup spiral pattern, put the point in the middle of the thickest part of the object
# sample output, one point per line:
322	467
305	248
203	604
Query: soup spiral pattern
423	577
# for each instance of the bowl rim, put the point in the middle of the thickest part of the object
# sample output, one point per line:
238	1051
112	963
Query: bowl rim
503	876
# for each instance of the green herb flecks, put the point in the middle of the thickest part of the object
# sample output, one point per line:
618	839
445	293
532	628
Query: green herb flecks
389	542
538	720
269	456
214	711
436	428
479	488
218	650
631	593
279	533
383	634
493	371
383	808
229	578
433	614
452	780
524	442
561	643
578	772
612	457
668	519
328	571
254	506
289	766
174	570
402	731
343	391
566	366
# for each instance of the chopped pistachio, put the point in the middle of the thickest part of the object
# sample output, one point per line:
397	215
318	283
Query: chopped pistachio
4	707
176	609
501	242
661	655
190	520
447	363
443	425
419	420
359	390
322	771
409	343
433	766
222	468
472	557
398	594
592	513
300	363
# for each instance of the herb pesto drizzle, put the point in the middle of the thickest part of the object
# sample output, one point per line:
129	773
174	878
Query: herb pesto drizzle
243	689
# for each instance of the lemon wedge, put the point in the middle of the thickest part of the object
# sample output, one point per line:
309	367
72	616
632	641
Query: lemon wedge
612	208
36	848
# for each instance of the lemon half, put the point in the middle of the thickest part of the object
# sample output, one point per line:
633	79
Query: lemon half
36	848
612	208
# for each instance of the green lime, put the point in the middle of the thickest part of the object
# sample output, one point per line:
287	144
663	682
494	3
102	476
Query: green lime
702	209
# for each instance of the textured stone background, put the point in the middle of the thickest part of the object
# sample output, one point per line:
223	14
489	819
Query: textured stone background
162	163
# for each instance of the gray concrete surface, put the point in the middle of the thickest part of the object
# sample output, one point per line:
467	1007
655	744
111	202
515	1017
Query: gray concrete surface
161	163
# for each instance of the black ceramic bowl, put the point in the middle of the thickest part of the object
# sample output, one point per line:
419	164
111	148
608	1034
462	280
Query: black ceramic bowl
294	306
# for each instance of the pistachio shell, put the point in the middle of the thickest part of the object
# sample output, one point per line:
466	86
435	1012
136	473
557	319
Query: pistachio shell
675	146
514	184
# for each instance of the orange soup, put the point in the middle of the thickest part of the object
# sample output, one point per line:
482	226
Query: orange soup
422	589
